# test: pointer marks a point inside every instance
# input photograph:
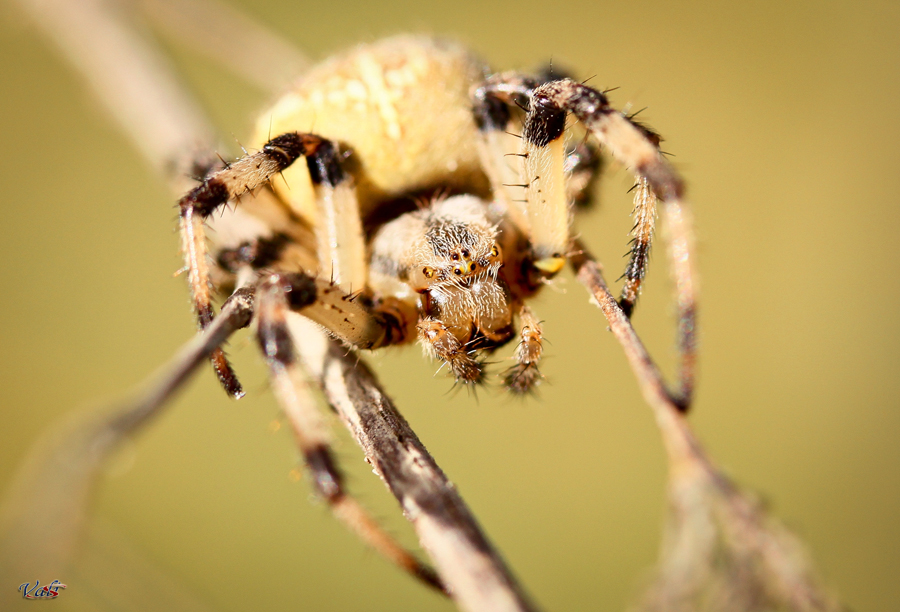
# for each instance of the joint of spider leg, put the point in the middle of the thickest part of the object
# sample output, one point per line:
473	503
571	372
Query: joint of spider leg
546	122
300	289
491	113
286	148
508	88
587	101
324	165
205	198
394	330
327	478
258	254
667	185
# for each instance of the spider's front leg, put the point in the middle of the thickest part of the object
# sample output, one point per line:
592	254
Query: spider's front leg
442	345
545	213
216	190
638	149
341	246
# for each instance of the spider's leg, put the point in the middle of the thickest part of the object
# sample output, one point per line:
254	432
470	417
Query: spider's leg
583	165
351	317
523	376
637	149
644	215
274	296
499	139
341	244
233	181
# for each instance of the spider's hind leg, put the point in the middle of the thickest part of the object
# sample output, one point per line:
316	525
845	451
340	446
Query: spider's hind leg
644	216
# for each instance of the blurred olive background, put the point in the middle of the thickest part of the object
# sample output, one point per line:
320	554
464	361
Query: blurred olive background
783	119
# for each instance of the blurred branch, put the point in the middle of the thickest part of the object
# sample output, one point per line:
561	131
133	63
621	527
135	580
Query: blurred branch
231	38
44	511
721	550
129	77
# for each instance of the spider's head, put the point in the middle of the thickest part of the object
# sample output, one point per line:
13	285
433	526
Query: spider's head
456	262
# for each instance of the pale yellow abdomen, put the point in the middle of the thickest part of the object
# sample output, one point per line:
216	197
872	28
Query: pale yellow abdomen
401	105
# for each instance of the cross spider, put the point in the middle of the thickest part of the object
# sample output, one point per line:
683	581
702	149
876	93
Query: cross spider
427	208
418	214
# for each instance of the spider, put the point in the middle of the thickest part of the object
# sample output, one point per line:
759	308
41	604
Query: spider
412	214
435	197
398	194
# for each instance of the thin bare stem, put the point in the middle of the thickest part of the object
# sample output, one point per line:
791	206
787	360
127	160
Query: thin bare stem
41	524
234	40
722	550
476	576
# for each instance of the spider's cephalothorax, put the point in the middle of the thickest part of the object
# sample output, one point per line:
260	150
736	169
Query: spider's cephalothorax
427	208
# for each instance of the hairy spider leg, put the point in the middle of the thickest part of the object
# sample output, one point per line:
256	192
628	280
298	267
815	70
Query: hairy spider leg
499	148
644	215
216	190
635	147
339	233
342	247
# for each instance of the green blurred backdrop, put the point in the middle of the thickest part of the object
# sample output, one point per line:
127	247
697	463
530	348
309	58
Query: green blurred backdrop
783	118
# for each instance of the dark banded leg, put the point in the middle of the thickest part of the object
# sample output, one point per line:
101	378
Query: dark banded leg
238	178
644	215
498	145
637	149
341	244
274	297
349	316
523	376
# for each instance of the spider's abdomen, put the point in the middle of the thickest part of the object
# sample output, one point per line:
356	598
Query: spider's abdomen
401	106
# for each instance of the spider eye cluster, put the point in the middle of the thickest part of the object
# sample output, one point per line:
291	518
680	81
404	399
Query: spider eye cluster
466	261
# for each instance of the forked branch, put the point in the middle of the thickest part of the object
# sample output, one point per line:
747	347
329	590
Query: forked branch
721	550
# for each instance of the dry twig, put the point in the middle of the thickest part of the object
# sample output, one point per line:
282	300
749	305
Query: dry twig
722	551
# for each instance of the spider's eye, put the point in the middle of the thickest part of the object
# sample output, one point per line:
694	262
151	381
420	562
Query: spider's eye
428	271
495	251
454	256
465	253
457	271
472	266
